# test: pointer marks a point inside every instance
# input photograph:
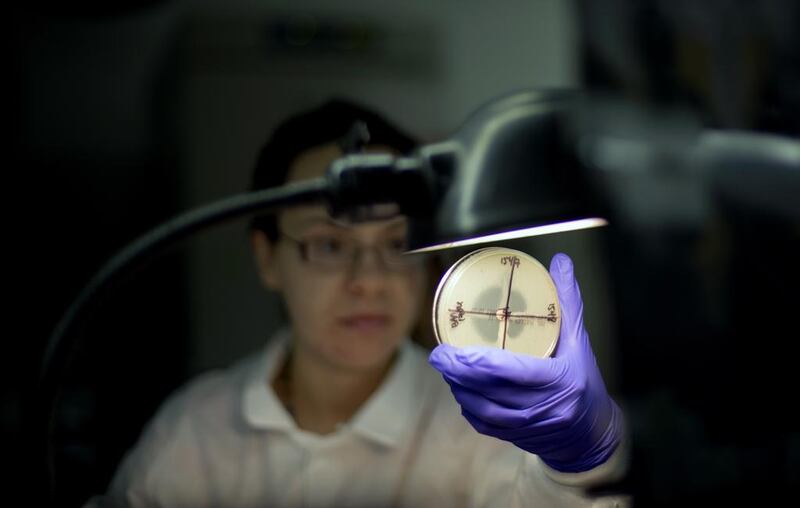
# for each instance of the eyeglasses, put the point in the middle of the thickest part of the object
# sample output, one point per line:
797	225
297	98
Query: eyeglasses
338	252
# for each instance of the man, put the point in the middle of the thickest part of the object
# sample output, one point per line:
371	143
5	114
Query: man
341	409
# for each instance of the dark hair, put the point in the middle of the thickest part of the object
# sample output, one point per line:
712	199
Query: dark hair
324	124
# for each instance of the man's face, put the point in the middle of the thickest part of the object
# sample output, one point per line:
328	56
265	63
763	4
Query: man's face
353	316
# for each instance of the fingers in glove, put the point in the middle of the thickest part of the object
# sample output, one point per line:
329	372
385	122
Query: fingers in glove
541	436
513	410
484	368
572	337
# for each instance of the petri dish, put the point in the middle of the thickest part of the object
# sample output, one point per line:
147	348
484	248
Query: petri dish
498	297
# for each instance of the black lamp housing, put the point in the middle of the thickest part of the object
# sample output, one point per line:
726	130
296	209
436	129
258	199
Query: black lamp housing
511	165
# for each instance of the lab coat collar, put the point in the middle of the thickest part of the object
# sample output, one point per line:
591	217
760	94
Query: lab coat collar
384	417
261	407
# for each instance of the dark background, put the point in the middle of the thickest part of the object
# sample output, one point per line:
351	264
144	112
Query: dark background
704	298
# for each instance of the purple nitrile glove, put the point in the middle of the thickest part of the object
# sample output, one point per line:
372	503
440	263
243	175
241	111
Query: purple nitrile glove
557	408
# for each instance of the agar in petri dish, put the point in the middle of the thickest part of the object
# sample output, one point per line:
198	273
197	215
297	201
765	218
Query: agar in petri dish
498	297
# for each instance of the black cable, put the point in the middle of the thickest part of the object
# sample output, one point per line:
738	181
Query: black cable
62	341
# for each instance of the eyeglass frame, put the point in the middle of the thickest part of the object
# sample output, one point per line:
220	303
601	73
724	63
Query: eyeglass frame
405	260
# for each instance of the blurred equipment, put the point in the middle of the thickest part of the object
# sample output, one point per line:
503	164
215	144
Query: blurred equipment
705	243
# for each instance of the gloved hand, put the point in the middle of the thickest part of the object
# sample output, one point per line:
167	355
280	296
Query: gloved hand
557	408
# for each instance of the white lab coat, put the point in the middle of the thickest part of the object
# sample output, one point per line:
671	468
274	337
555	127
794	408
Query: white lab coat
226	441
